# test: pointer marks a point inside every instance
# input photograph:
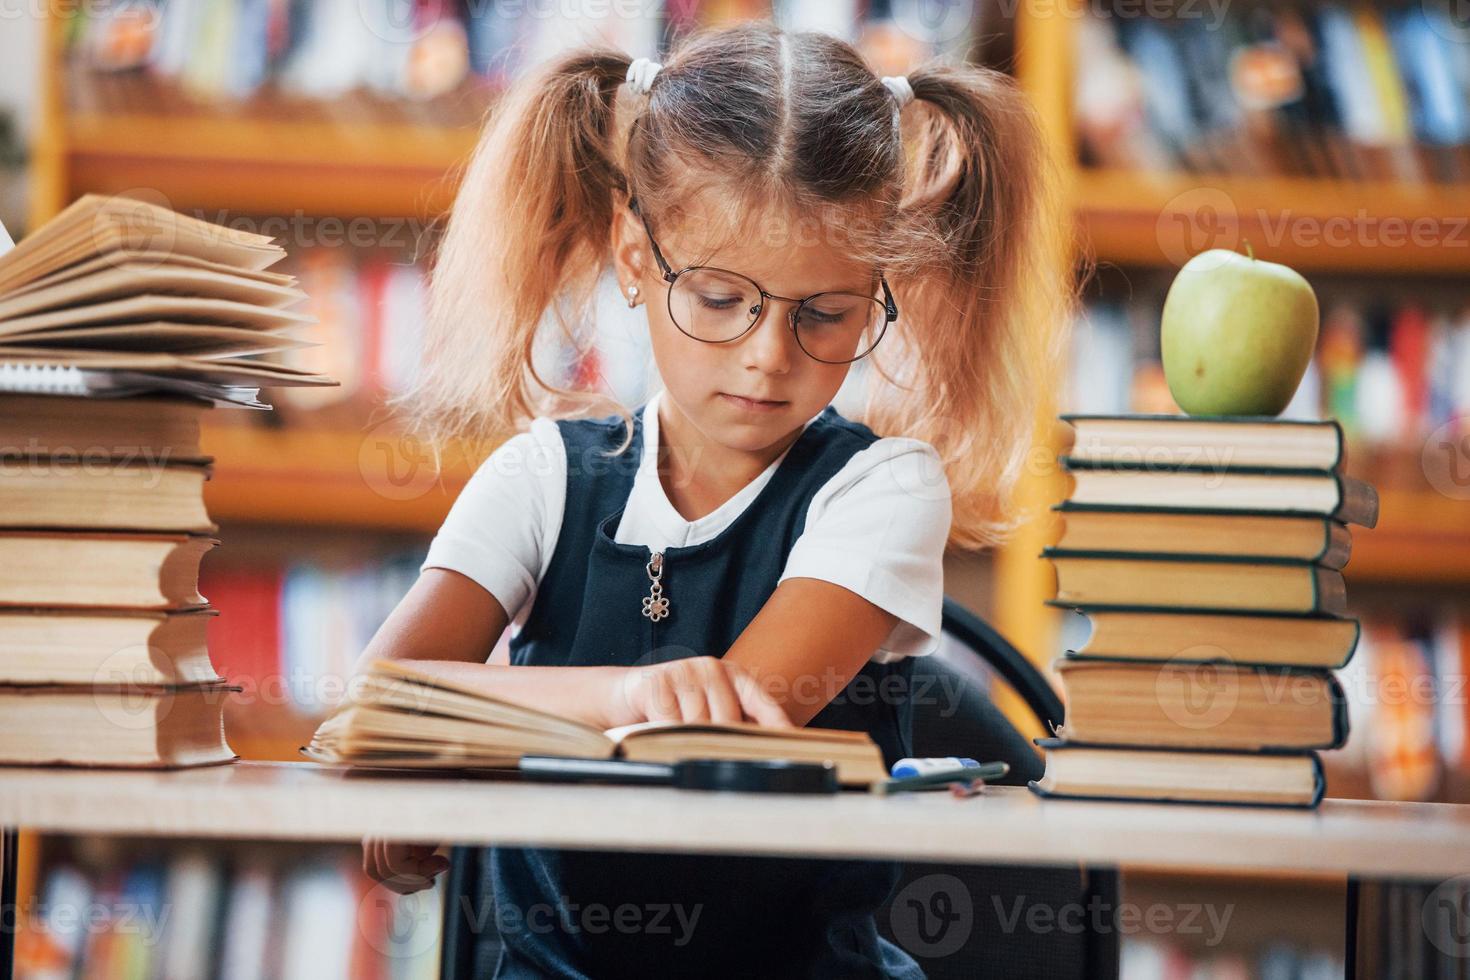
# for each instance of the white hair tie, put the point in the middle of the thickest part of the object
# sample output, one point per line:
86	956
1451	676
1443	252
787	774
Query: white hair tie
641	74
900	87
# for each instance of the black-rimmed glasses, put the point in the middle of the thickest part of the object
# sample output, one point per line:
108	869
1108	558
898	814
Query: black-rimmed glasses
717	306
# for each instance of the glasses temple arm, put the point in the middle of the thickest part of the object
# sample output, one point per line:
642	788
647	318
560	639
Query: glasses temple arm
664	267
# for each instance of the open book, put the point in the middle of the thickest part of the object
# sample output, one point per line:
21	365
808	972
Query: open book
115	295
399	717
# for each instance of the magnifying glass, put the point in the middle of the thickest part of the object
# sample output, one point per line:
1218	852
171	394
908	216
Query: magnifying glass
739	775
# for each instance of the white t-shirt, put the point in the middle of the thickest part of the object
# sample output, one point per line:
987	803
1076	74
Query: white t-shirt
876	528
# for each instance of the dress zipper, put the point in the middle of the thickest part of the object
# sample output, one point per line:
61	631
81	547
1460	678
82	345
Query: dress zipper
655	604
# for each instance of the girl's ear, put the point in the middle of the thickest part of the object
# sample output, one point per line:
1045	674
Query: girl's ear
631	255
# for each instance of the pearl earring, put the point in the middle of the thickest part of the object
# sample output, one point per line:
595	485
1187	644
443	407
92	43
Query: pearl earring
632	296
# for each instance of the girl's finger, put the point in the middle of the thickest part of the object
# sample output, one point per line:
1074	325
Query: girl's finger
404	884
423	861
724	703
661	703
648	694
757	704
432	866
693	704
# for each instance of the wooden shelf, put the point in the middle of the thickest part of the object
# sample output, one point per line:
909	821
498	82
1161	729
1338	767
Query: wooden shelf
270	167
361	155
1422	536
341	478
1156	219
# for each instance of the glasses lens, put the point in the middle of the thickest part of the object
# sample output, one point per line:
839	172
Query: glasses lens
840	327
713	305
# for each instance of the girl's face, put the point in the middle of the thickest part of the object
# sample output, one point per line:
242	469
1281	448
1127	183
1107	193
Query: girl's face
708	382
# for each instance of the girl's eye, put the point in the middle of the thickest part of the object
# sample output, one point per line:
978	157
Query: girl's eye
718	302
818	316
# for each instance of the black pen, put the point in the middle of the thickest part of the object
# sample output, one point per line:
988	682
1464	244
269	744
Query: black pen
942	778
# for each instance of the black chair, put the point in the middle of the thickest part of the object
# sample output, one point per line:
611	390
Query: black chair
994	941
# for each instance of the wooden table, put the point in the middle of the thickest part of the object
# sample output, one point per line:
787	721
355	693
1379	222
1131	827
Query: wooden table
1008	825
300	801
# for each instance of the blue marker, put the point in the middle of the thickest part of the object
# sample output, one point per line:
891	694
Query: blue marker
904	768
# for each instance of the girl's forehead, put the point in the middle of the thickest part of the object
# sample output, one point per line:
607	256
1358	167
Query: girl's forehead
789	251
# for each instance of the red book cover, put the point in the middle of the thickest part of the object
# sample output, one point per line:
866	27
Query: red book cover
1408	348
372	942
244	639
372	282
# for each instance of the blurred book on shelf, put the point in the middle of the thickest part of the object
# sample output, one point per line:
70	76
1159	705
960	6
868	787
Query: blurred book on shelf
105	909
1379	92
1161	959
289	633
367	307
427	62
1407	692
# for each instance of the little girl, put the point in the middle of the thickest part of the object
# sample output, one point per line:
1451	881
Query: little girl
734	549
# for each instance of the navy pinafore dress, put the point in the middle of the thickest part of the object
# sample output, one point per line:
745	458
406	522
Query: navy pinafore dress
610	914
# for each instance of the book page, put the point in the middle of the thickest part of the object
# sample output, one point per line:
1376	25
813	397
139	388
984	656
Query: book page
735	728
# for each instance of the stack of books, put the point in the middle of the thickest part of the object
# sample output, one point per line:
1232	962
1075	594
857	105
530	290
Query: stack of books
103	526
1207	554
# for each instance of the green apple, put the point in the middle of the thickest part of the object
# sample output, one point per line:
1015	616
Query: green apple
1237	334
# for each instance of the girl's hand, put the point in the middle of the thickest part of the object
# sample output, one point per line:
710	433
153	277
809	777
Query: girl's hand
692	689
402	868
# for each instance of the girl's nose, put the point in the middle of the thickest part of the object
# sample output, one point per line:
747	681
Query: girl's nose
771	343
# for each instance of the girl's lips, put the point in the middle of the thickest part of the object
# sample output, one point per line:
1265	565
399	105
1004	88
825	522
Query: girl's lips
752	405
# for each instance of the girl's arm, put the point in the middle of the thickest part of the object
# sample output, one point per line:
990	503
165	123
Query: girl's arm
448	624
808	641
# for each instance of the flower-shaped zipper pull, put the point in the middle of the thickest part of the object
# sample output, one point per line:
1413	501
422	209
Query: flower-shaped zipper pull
655	604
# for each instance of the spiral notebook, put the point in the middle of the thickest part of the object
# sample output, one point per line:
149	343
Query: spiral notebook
30	378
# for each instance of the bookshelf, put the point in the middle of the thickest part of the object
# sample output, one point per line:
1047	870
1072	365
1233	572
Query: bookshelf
1313	225
327	477
365	155
385	159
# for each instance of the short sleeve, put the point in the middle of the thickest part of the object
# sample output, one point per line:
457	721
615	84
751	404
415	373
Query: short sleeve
878	528
502	528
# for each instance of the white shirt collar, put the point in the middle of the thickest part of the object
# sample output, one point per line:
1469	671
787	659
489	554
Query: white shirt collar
649	498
